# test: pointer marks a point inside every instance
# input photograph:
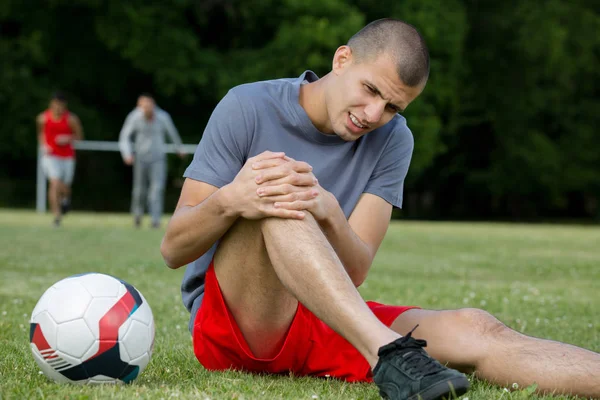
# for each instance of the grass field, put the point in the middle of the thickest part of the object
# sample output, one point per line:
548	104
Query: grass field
539	279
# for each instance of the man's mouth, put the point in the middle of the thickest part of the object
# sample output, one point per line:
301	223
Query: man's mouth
356	122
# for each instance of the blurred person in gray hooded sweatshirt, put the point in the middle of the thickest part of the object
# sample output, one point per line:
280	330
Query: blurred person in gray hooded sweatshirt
141	142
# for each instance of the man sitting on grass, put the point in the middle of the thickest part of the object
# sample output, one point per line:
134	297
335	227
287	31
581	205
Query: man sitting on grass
285	204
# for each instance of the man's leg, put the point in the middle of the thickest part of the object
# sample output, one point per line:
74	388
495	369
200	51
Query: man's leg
64	195
68	166
158	177
54	190
474	341
138	193
265	267
52	172
65	192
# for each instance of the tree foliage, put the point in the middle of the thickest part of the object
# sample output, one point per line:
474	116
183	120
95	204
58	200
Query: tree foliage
505	127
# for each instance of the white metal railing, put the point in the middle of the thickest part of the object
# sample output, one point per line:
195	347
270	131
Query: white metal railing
94	145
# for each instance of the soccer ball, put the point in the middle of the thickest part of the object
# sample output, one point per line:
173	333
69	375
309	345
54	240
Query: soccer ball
92	328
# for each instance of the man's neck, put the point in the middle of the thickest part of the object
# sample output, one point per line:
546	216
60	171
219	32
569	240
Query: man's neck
56	116
312	99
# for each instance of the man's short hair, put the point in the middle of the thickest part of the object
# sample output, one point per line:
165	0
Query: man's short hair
146	94
399	40
60	96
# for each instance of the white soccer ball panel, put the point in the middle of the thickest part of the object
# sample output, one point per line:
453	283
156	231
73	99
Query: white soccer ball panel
47	326
44	302
122	291
143	314
91	351
152	330
141	362
74	338
96	310
100	285
137	340
124	328
69	301
123	352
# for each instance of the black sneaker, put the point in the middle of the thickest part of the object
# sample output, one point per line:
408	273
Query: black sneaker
56	222
65	206
406	372
137	221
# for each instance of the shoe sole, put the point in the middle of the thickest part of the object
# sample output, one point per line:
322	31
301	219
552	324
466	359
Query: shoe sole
446	390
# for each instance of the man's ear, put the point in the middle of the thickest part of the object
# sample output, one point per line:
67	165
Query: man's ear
341	59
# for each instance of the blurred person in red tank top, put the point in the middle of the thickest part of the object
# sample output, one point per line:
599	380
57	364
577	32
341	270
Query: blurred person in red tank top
57	129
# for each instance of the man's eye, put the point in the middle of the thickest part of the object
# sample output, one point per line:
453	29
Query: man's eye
370	89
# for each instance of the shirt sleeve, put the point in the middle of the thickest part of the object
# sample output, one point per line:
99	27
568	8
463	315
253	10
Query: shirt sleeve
387	179
171	129
125	135
225	144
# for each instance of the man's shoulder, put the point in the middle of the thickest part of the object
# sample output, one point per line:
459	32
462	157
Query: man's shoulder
162	115
267	89
161	112
135	115
72	117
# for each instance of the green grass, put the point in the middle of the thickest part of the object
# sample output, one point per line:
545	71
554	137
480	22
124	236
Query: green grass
539	279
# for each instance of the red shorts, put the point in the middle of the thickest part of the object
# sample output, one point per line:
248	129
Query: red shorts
310	348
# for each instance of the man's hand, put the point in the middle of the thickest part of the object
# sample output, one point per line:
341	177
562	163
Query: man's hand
292	186
181	154
244	190
45	148
63	140
129	160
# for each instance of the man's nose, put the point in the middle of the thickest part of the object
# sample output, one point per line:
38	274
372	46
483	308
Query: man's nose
374	111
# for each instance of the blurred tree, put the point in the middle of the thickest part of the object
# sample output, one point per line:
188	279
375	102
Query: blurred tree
505	127
526	120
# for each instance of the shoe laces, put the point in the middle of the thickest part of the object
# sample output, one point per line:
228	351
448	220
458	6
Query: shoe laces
415	359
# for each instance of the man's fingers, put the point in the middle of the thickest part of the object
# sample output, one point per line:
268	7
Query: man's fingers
283	213
298	166
297	205
265	155
269	179
292	192
269	163
301	166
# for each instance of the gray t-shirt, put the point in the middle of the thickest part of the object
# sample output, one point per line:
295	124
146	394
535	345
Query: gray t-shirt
266	115
149	139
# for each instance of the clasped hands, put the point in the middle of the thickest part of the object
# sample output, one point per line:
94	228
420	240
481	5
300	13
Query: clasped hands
275	185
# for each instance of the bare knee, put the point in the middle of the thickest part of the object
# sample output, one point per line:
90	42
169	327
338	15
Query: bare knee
480	322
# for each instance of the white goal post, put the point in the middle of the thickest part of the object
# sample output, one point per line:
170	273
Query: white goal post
93	145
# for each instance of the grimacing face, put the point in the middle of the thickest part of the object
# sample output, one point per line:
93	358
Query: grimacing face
365	95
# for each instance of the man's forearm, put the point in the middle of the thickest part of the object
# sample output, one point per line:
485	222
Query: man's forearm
124	144
193	230
352	251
